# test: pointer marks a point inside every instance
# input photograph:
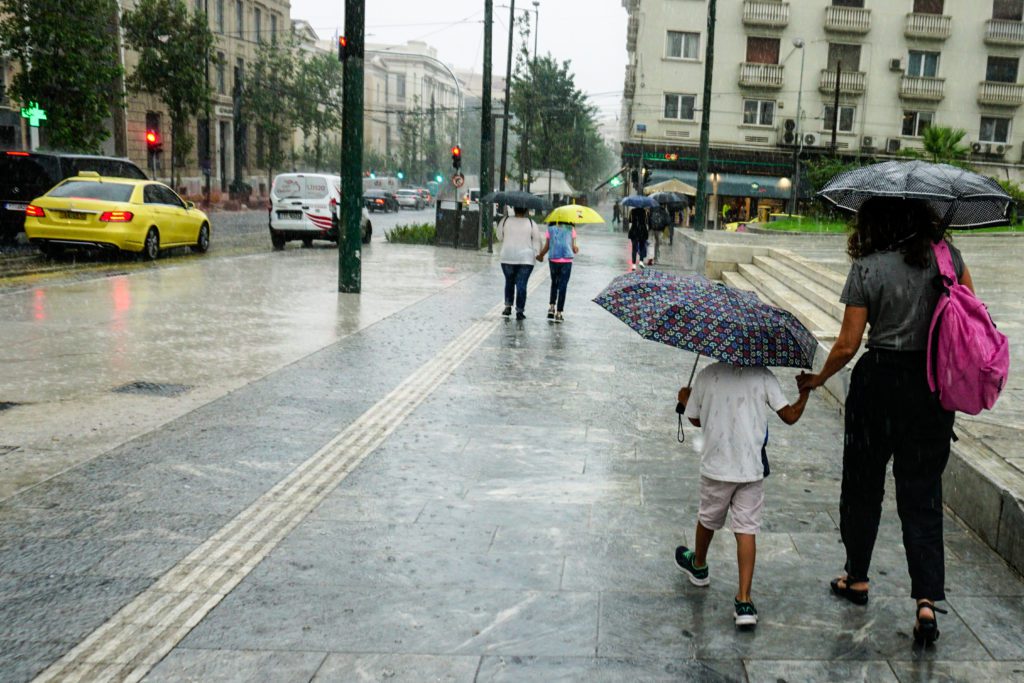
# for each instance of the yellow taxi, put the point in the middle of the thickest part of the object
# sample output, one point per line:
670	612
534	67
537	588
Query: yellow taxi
89	210
741	226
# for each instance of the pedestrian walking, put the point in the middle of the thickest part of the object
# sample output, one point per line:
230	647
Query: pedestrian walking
890	411
638	233
730	404
561	243
520	244
616	214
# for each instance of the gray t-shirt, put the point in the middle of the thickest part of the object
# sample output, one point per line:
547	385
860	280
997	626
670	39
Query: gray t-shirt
900	298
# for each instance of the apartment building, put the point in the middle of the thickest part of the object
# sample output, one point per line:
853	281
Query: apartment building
894	67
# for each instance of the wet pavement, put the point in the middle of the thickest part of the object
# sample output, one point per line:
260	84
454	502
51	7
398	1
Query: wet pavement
405	486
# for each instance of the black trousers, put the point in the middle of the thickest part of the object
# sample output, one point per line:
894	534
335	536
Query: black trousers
891	414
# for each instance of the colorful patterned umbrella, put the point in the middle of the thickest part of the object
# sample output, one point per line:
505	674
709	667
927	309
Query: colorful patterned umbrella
712	320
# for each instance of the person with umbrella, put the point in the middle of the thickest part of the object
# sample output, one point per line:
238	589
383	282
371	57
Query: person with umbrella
890	411
520	244
639	227
562	245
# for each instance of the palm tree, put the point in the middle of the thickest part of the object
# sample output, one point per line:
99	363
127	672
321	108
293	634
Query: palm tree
942	144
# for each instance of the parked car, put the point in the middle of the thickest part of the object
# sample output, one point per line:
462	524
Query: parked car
409	199
380	200
93	211
305	206
27	175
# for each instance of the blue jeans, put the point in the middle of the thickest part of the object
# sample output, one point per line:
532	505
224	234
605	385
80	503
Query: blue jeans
559	283
516	277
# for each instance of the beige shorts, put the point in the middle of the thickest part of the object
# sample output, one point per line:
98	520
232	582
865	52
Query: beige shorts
745	502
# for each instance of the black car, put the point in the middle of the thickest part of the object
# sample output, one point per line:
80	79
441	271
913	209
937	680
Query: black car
27	175
380	200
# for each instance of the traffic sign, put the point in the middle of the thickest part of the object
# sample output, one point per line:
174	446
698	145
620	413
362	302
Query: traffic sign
458	180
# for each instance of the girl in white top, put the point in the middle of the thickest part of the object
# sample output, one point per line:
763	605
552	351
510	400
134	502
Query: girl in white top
520	243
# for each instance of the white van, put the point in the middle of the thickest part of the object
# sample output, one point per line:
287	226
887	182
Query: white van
304	206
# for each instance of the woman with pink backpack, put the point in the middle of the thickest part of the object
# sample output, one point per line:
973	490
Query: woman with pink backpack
890	410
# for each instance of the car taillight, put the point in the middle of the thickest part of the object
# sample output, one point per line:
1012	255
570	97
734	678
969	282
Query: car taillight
34	211
116	217
380	201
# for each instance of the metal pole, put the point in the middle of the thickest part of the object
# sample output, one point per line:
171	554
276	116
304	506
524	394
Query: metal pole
526	133
508	91
705	120
350	235
799	140
207	170
835	107
487	131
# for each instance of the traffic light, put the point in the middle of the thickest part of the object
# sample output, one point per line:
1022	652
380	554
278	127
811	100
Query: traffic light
342	48
456	157
153	143
439	178
401	175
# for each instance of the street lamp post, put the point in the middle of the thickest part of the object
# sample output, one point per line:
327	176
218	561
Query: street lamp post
526	133
799	44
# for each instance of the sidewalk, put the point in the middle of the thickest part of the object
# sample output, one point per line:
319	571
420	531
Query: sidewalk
446	495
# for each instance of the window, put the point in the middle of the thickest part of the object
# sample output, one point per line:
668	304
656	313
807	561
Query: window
1001	69
847	3
923	64
758	112
994	129
682	45
220	16
679	106
165	195
915	122
1010	10
845	118
239	74
849	55
222	86
273	28
257	21
400	86
239	19
928	6
763	50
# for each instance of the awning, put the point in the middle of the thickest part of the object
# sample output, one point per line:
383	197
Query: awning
730	184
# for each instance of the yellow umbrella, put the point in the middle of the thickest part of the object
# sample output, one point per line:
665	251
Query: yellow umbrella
574	213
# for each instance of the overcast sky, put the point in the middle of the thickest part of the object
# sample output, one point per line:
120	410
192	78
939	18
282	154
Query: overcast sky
591	33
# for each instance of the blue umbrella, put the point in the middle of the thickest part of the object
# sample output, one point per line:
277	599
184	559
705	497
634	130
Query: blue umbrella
638	201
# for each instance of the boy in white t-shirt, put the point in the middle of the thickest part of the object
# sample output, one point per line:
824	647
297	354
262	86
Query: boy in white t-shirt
730	404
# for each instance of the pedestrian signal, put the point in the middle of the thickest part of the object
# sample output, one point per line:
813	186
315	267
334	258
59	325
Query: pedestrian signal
456	157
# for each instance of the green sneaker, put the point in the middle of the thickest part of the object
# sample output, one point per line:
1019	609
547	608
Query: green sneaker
684	560
745	614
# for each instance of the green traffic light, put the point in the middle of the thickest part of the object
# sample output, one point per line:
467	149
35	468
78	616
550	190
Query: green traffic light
439	177
401	176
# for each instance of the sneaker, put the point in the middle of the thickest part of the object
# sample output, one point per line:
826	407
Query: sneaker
551	312
559	318
632	267
640	265
507	311
520	315
745	614
684	561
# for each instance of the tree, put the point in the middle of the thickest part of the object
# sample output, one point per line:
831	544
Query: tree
69	65
318	86
172	48
268	98
942	146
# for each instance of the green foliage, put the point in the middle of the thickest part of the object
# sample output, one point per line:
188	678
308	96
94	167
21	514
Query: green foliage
822	170
1017	193
268	99
317	99
806	225
172	46
417	233
69	65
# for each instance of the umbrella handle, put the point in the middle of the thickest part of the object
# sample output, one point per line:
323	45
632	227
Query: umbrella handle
693	371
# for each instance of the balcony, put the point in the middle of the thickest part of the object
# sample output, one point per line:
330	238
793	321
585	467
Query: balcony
761	75
847	19
1004	32
922	88
850	83
1001	94
632	30
766	13
929	26
629	89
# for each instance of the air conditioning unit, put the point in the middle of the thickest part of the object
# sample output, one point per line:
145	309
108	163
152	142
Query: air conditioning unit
811	140
867	142
976	147
1000	149
788	134
892	145
896	64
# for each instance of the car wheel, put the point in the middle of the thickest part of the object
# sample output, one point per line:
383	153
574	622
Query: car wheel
368	233
307	242
202	244
277	239
151	247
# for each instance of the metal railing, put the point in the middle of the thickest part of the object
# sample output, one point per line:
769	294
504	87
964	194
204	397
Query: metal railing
761	75
1004	32
847	19
629	88
632	31
766	13
922	88
934	26
1001	94
850	83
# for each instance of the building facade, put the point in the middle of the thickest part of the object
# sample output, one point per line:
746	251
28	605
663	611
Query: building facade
783	69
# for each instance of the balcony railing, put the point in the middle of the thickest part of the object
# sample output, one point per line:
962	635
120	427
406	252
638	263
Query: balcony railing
922	88
766	13
850	83
1004	32
761	75
847	19
629	88
929	26
632	30
1001	94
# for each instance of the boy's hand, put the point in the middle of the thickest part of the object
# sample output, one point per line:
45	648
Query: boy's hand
575	249
806	382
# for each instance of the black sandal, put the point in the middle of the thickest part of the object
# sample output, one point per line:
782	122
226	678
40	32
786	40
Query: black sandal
857	597
926	630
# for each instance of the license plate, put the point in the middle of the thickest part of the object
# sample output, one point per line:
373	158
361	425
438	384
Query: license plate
73	215
290	215
15	206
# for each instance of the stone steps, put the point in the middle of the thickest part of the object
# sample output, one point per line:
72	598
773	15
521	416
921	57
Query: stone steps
785	294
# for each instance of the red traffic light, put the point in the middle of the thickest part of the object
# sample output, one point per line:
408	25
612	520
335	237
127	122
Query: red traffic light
152	137
342	48
456	151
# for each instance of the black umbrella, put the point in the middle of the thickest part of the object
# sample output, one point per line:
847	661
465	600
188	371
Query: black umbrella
670	198
517	200
962	199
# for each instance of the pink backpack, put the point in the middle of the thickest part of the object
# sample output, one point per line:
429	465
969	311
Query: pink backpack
968	358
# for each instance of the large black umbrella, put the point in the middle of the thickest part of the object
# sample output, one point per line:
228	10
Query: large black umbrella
517	200
667	198
960	198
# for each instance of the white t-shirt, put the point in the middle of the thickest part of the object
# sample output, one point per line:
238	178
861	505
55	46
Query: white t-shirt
520	241
732	404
